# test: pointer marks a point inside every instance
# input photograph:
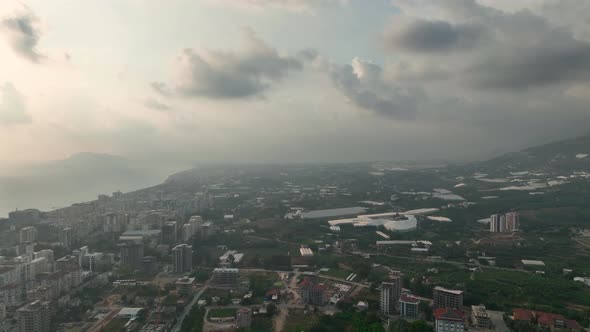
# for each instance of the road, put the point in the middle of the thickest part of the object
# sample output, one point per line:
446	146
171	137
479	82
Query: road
189	307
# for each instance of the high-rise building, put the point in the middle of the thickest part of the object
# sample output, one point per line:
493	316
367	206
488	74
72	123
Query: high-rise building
81	253
2	311
187	232
169	232
25	248
47	253
131	254
183	258
68	263
449	320
66	237
509	222
447	298
27	234
497	223
35	317
390	293
196	222
149	265
409	306
512	221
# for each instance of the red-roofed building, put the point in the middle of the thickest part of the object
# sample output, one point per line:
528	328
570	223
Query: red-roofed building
551	320
449	320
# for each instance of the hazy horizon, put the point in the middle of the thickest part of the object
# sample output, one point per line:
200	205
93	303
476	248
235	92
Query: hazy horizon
174	83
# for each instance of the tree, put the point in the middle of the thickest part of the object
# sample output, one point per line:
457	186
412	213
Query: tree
271	309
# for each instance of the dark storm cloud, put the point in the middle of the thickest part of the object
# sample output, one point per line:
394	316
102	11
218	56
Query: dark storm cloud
432	36
23	35
12	106
230	75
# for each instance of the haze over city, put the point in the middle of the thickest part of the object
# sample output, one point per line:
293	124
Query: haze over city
171	84
294	165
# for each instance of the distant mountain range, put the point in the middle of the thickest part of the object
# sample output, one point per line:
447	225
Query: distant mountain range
78	178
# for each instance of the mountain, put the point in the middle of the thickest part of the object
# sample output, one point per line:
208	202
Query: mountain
78	178
562	156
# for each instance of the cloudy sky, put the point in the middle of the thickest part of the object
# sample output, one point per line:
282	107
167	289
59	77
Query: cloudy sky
290	80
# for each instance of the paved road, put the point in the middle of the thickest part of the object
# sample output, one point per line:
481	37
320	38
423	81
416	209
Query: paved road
498	320
189	307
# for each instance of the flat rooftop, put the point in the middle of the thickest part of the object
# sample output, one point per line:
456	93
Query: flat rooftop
451	291
328	213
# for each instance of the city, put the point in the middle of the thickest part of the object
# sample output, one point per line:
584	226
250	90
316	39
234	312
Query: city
237	250
294	165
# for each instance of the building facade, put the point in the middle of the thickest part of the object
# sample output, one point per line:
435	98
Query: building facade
449	320
480	317
35	317
27	234
447	298
390	294
226	276
131	254
409	306
183	258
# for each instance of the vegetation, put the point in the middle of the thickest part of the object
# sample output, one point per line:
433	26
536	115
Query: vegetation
222	312
193	322
348	321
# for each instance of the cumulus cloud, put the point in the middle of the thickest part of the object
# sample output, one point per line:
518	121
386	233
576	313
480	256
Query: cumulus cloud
23	35
432	36
365	84
12	106
502	50
220	75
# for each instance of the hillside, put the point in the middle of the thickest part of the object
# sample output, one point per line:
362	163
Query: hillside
561	156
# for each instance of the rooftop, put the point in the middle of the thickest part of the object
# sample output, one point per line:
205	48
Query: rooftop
452	291
448	314
409	299
532	262
129	312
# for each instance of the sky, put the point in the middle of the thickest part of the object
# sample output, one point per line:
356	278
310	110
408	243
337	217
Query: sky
189	81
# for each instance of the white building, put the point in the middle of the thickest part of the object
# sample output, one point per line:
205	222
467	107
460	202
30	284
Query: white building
183	258
390	293
27	234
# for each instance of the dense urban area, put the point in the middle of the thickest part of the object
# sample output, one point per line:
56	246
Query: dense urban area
498	245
